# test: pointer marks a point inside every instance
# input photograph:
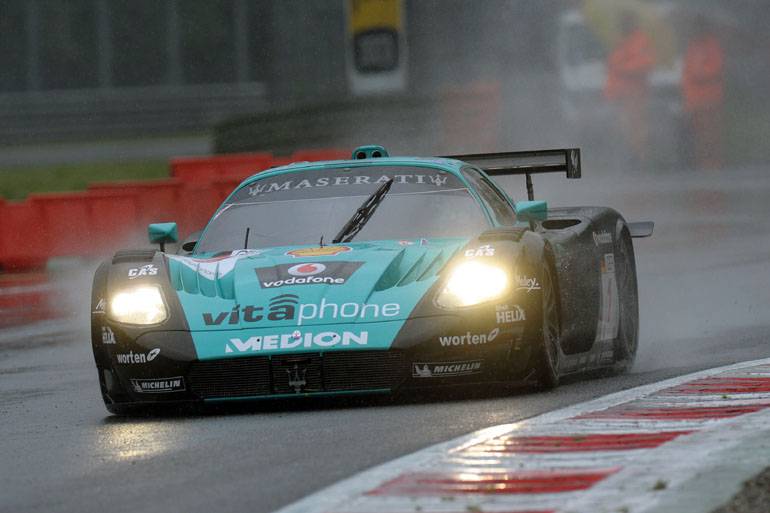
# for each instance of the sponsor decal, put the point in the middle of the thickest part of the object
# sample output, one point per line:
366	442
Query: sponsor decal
258	188
157	386
609	303
608	264
484	250
316	273
217	265
108	336
469	339
405	243
101	306
602	238
280	308
442	369
306	269
513	314
318	251
287	307
526	283
297	380
145	270
132	357
346	310
294	340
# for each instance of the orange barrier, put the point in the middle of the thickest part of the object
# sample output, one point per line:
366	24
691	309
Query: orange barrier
108	216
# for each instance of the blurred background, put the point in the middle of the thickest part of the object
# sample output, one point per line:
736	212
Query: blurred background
117	80
98	96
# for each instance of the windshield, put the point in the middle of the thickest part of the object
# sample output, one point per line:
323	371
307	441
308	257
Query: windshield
300	208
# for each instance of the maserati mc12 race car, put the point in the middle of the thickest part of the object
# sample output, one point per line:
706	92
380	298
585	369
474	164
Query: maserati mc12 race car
372	274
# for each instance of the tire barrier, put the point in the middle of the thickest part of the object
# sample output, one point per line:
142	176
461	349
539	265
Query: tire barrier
107	216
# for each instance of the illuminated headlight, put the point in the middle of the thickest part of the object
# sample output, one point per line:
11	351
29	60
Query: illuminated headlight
140	305
472	283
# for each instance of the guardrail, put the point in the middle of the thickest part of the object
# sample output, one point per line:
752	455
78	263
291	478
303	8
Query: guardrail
84	114
111	215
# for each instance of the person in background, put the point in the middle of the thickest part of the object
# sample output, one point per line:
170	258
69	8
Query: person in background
628	67
702	89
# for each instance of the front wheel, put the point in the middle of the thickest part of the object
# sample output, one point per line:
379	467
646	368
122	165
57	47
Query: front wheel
549	359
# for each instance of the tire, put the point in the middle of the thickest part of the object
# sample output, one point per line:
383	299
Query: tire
549	359
627	341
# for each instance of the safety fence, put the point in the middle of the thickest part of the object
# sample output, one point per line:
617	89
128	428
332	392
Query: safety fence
111	215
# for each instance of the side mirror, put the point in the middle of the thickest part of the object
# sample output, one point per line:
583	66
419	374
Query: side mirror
161	233
532	210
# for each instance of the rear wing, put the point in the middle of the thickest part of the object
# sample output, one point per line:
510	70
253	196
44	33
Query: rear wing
526	163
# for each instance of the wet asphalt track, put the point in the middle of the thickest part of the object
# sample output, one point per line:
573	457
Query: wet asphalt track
704	301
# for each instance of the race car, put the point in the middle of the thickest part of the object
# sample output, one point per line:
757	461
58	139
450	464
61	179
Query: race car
374	274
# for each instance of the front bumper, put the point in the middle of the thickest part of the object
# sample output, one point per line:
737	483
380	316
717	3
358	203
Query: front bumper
428	352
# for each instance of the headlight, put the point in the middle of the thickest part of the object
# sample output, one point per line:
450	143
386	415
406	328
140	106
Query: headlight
472	283
140	305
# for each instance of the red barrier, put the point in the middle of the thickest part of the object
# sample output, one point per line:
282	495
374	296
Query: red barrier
208	169
22	245
157	200
112	215
85	223
62	216
240	166
114	221
170	200
224	186
197	204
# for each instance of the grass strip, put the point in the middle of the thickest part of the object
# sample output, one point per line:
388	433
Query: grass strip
18	182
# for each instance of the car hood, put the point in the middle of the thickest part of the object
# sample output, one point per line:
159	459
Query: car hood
303	286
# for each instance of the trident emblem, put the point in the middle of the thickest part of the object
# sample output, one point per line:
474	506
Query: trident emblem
297	381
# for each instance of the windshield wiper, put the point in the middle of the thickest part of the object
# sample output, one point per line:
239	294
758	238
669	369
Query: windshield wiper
362	215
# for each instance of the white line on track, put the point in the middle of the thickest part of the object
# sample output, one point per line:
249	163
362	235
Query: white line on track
690	472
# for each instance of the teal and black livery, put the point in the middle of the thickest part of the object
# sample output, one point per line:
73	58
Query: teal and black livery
373	274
